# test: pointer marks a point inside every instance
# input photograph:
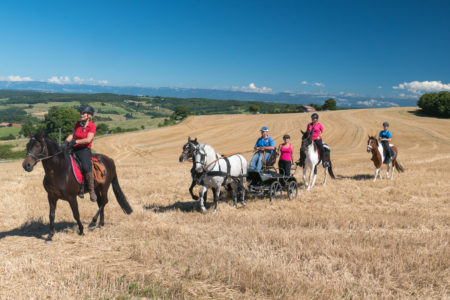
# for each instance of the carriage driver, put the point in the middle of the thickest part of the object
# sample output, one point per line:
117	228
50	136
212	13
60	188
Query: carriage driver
385	138
317	129
264	147
80	140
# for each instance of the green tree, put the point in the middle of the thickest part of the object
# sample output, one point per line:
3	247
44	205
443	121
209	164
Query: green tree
28	128
254	109
60	117
102	128
181	112
330	104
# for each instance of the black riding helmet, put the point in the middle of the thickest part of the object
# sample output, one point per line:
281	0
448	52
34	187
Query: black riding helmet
87	109
315	116
286	136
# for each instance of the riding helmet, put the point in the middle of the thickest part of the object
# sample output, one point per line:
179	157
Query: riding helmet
386	124
315	116
87	109
286	136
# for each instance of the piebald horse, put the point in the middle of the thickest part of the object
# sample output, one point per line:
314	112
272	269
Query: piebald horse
216	170
312	160
378	158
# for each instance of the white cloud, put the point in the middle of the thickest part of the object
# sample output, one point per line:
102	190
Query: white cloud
75	80
15	78
319	84
252	88
418	87
373	102
304	82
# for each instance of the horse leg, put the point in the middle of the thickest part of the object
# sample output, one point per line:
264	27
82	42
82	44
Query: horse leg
216	199
304	175
393	168
325	176
376	174
76	214
200	195
387	170
191	188
102	199
52	204
243	184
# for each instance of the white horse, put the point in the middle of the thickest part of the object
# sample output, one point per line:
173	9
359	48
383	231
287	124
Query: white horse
378	158
312	160
217	170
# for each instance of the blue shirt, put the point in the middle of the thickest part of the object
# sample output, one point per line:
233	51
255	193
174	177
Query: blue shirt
265	142
385	134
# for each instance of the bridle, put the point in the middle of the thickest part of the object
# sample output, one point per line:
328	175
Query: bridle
40	156
189	150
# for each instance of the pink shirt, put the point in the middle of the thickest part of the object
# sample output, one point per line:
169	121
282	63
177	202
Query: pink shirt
286	153
316	129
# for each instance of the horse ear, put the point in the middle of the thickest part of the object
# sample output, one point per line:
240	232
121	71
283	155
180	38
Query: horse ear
302	131
189	138
195	141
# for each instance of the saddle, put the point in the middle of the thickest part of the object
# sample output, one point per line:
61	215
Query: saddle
270	162
98	170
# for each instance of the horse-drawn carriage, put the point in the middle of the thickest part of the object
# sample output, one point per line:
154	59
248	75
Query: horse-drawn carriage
272	184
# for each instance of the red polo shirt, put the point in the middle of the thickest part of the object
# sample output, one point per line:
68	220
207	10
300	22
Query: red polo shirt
81	132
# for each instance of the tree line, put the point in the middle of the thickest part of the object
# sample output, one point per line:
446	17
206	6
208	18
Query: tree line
435	104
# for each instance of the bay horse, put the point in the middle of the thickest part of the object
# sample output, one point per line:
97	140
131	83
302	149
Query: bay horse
60	183
217	170
312	160
378	158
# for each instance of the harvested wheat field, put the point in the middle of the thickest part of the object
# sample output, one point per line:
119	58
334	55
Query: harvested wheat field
353	238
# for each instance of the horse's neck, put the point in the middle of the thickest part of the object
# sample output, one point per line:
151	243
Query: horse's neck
57	160
311	150
210	154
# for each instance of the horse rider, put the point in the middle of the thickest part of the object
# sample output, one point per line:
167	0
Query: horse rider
80	141
264	147
317	129
385	138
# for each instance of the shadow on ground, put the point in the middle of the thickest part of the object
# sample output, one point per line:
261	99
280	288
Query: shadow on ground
36	229
190	206
356	177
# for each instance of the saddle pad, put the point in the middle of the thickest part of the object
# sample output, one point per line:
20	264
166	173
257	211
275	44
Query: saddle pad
76	170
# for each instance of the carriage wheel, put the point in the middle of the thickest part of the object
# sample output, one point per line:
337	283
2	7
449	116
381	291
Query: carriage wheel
275	191
292	190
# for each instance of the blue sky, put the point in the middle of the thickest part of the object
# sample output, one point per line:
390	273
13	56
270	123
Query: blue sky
379	48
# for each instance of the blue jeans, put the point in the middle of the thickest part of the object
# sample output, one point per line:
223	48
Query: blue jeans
257	161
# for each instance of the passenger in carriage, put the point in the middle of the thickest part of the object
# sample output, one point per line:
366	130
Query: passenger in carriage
286	156
264	147
385	138
80	141
317	129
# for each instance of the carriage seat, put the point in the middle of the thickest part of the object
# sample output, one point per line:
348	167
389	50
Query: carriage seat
269	164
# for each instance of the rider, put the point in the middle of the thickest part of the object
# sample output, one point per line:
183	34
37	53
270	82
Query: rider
317	129
80	140
264	147
385	138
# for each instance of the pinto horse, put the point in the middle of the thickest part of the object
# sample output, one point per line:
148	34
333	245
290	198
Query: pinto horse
60	183
378	158
312	160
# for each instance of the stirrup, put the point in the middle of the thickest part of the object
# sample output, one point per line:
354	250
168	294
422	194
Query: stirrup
81	191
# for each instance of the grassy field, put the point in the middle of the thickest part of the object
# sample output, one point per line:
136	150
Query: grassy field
353	238
5	131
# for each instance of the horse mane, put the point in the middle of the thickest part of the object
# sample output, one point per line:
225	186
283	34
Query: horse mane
52	146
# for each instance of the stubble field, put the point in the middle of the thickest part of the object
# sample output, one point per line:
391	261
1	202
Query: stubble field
352	238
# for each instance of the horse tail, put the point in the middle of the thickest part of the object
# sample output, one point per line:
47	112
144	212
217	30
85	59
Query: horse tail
330	170
399	167
120	196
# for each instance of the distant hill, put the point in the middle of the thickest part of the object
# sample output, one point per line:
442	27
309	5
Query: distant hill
344	101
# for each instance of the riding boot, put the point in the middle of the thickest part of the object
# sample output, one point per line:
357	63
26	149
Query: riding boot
91	186
81	191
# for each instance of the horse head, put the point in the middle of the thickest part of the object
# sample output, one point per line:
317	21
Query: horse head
372	143
188	149
306	140
36	150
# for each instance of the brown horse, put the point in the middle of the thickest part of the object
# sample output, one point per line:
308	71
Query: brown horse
378	158
60	183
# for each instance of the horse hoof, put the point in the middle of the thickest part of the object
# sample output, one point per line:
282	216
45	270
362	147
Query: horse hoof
244	203
204	211
48	240
92	226
214	211
195	198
